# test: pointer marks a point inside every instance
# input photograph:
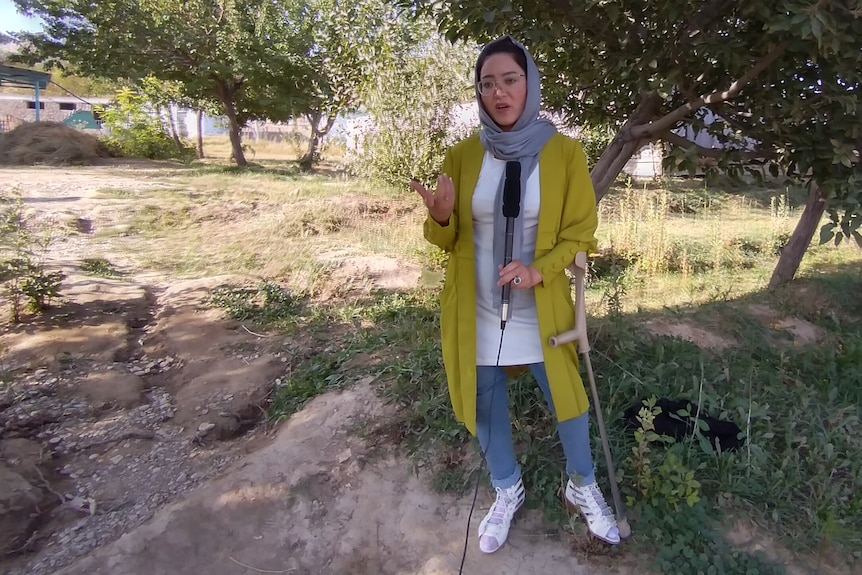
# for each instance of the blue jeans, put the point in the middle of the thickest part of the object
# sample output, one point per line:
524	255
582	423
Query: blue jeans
494	427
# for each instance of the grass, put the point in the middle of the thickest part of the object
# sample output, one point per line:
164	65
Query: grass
675	251
115	193
259	217
99	267
291	148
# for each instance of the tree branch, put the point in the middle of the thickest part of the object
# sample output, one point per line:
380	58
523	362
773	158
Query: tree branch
670	120
682	142
614	169
727	114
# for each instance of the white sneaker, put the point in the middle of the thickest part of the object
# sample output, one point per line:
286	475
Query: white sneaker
590	502
495	527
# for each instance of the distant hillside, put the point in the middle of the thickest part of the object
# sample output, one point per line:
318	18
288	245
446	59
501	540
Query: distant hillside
8	46
61	84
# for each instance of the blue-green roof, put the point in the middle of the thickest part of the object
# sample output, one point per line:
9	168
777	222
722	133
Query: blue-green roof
83	120
23	78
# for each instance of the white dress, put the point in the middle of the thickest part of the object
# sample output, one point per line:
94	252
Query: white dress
522	343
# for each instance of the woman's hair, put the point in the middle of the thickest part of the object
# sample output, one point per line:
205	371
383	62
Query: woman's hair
501	46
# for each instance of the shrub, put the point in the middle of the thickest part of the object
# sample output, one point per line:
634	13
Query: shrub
595	139
22	266
133	131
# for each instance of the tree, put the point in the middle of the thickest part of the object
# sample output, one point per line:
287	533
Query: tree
353	43
341	58
163	96
780	80
241	54
66	84
410	104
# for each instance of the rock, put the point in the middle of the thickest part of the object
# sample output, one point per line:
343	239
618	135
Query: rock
116	459
121	389
19	508
206	426
22	455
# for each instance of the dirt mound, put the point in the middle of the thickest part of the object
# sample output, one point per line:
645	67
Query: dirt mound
322	499
685	329
50	143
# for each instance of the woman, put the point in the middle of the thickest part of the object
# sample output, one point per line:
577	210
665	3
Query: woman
557	219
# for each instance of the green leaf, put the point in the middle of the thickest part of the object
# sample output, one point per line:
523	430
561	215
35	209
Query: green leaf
705	445
817	28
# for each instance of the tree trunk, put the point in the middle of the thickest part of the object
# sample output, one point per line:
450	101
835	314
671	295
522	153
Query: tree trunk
226	95
792	253
200	121
175	134
311	155
623	146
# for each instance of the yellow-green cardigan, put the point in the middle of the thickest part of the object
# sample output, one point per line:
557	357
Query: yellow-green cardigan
567	225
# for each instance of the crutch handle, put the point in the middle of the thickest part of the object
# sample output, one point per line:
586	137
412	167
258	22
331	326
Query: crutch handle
579	334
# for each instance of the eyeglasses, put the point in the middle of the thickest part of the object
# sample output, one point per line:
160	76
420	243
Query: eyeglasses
507	84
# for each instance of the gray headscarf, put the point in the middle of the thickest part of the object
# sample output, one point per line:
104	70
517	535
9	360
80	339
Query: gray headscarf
523	143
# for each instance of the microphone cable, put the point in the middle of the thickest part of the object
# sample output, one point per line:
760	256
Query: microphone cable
484	461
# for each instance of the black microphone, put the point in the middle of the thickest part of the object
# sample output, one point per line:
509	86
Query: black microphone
511	210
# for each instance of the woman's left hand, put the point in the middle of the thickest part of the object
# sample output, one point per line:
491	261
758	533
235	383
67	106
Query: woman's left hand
521	276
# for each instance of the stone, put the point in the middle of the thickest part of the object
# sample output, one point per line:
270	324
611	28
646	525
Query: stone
120	389
344	455
22	454
19	509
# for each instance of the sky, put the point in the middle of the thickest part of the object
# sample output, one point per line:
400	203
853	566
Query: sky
12	21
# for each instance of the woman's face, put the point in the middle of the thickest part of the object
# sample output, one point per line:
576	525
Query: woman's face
505	92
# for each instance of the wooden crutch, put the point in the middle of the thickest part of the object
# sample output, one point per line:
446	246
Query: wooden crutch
579	335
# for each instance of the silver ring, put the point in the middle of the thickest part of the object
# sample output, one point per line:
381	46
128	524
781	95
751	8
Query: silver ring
517	280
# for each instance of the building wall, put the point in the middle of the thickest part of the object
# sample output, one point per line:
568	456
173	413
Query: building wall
16	109
646	162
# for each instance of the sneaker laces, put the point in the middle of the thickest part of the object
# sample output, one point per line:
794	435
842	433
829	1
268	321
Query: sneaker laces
494	528
598	499
501	507
600	518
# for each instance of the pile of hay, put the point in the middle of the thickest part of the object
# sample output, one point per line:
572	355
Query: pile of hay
50	143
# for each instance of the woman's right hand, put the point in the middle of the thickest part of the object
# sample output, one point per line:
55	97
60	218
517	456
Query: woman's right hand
440	203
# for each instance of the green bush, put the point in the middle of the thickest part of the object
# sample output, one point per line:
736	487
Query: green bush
134	132
22	266
595	139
